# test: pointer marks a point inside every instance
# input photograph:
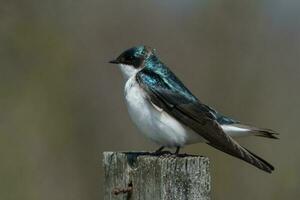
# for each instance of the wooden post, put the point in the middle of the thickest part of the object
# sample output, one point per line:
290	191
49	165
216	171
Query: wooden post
144	176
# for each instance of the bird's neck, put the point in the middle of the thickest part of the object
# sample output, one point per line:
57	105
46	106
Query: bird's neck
152	62
128	71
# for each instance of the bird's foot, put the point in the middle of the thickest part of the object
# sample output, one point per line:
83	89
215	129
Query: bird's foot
177	151
160	152
177	154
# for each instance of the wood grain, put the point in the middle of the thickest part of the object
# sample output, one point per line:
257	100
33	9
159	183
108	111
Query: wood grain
144	176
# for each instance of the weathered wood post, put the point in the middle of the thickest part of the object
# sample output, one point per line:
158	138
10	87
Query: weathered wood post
144	176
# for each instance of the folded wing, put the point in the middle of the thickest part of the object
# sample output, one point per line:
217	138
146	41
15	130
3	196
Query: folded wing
182	105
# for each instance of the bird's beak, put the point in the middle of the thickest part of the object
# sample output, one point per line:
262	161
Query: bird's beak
114	62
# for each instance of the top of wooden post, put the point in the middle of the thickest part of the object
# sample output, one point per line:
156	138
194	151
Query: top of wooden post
143	175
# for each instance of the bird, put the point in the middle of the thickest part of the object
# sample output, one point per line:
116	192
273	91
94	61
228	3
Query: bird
166	112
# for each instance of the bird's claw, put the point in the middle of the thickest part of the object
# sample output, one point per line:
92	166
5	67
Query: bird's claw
161	153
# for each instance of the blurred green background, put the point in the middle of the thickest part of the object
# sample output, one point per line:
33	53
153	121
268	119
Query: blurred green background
62	103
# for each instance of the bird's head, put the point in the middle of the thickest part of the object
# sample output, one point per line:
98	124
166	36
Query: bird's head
132	60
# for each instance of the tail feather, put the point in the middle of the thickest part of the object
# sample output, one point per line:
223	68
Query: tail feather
261	132
267	133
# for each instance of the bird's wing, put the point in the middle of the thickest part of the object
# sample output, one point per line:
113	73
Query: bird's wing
195	115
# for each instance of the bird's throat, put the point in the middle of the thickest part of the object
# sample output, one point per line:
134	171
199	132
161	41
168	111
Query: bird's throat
128	71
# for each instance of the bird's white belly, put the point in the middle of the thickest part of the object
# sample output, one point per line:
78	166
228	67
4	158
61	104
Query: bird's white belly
153	122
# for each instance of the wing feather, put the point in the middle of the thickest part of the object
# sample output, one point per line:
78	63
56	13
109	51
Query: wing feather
195	115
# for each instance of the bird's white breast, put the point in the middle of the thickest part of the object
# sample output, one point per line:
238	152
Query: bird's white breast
153	122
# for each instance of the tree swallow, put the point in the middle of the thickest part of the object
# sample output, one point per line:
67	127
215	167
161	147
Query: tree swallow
166	112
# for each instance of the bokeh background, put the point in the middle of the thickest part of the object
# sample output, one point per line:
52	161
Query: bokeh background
61	103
